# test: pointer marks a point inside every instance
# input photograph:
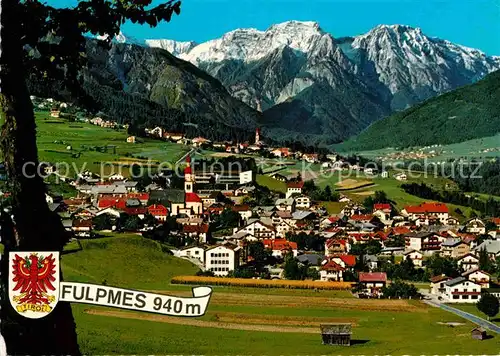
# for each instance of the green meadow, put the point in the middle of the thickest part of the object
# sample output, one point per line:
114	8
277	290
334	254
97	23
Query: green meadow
246	321
74	143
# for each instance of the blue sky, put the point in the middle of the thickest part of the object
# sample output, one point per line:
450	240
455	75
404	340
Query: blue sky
473	23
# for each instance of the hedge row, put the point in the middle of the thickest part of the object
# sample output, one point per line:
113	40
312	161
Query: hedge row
260	283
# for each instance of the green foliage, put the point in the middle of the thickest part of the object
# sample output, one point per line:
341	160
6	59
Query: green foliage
228	218
372	247
400	289
463	114
405	270
260	254
102	222
437	265
488	304
318	194
295	270
310	242
378	198
487	208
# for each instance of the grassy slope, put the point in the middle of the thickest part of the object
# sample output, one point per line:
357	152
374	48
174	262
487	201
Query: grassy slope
124	260
271	183
472	309
77	134
466	113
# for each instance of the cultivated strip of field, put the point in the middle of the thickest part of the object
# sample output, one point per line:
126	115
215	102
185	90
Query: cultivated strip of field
201	323
244	318
281	301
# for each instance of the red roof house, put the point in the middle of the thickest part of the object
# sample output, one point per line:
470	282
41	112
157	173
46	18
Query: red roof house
427	208
160	212
298	184
192	198
372	277
386	208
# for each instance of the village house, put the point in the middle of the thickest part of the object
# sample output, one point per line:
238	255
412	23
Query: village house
415	256
294	188
382	211
279	177
331	271
282	229
302	202
492	248
400	177
222	259
468	262
158	211
372	282
480	277
427	210
82	228
197	252
199	232
310	157
281	247
287	204
281	152
55	113
454	248
475	226
423	241
334	246
244	210
346	261
437	284
452	221
461	290
259	230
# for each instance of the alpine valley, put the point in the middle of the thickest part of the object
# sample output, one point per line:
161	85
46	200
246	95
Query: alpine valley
294	80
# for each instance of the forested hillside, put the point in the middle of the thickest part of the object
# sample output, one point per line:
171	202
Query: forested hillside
469	112
149	86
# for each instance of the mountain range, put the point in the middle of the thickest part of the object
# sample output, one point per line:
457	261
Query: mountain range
294	80
311	85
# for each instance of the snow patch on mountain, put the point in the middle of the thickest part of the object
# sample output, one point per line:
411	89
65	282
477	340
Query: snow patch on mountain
177	48
251	44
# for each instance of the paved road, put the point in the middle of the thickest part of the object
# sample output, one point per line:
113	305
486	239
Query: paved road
475	319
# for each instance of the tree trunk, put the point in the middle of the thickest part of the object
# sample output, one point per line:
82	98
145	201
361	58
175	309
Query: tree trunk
37	228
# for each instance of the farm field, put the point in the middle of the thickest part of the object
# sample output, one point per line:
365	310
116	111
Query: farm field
271	183
55	135
247	320
358	186
482	148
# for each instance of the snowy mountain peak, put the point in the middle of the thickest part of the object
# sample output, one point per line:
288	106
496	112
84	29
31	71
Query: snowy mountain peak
296	26
177	48
252	44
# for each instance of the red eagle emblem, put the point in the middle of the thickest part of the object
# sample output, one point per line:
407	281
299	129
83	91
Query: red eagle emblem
34	276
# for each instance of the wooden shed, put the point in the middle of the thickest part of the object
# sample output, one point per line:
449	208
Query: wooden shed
478	333
336	334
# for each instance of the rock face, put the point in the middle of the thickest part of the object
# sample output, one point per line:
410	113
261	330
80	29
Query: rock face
307	82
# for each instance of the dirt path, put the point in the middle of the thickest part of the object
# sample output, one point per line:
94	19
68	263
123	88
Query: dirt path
201	323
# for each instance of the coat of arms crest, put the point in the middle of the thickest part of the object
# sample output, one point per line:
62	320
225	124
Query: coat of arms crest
34	282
